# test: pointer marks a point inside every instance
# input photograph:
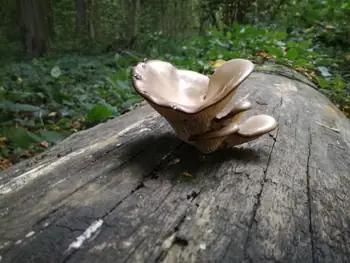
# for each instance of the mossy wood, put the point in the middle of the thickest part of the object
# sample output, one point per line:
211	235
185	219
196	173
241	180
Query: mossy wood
130	191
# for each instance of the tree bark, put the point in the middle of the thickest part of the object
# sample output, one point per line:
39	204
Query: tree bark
35	26
91	19
80	17
134	23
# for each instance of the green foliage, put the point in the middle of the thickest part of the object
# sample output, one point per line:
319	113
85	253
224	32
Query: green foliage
48	99
267	45
99	112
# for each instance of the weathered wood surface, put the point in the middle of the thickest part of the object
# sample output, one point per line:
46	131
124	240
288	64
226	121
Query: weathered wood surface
121	191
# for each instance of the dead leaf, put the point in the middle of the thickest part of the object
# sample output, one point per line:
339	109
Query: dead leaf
4	163
44	144
2	141
187	174
217	63
264	54
26	154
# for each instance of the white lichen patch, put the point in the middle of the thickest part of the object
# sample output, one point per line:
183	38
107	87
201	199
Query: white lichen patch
175	161
144	130
4	244
127	244
58	182
169	241
31	233
203	216
100	247
92	229
284	90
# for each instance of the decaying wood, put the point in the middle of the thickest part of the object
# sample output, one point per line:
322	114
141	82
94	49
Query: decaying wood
129	191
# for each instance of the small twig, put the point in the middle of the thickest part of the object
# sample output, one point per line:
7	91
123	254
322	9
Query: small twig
341	147
331	128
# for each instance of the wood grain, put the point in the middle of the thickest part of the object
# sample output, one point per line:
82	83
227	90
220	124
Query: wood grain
129	191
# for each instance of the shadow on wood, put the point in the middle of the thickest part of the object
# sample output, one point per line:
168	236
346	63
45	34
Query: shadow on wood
129	191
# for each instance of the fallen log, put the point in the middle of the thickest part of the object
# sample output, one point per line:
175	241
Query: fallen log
129	190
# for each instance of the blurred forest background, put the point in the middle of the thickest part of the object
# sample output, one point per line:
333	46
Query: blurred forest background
65	65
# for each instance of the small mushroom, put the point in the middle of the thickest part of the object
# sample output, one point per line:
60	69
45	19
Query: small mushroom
234	108
251	129
256	126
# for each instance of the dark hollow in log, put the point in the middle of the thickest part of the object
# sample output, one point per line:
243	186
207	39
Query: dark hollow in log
130	191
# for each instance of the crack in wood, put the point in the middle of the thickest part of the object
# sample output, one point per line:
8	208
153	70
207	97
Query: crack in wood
57	208
79	188
258	196
309	196
175	239
157	168
258	202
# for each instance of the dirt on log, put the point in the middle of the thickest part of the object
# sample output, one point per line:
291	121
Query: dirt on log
129	190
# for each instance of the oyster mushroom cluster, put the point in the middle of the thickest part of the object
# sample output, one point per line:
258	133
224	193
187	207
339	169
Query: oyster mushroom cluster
200	109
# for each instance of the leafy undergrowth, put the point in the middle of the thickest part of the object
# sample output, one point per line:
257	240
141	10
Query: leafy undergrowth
44	101
328	68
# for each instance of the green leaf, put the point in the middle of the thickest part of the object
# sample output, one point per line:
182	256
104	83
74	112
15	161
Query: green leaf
51	136
304	44
17	107
280	35
99	112
322	82
302	62
56	72
127	104
19	136
292	54
34	136
277	51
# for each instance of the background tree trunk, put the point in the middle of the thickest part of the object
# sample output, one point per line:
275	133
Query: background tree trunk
35	23
80	17
135	22
91	17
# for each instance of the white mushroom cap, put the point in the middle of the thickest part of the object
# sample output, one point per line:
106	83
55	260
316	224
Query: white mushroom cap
257	125
184	90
